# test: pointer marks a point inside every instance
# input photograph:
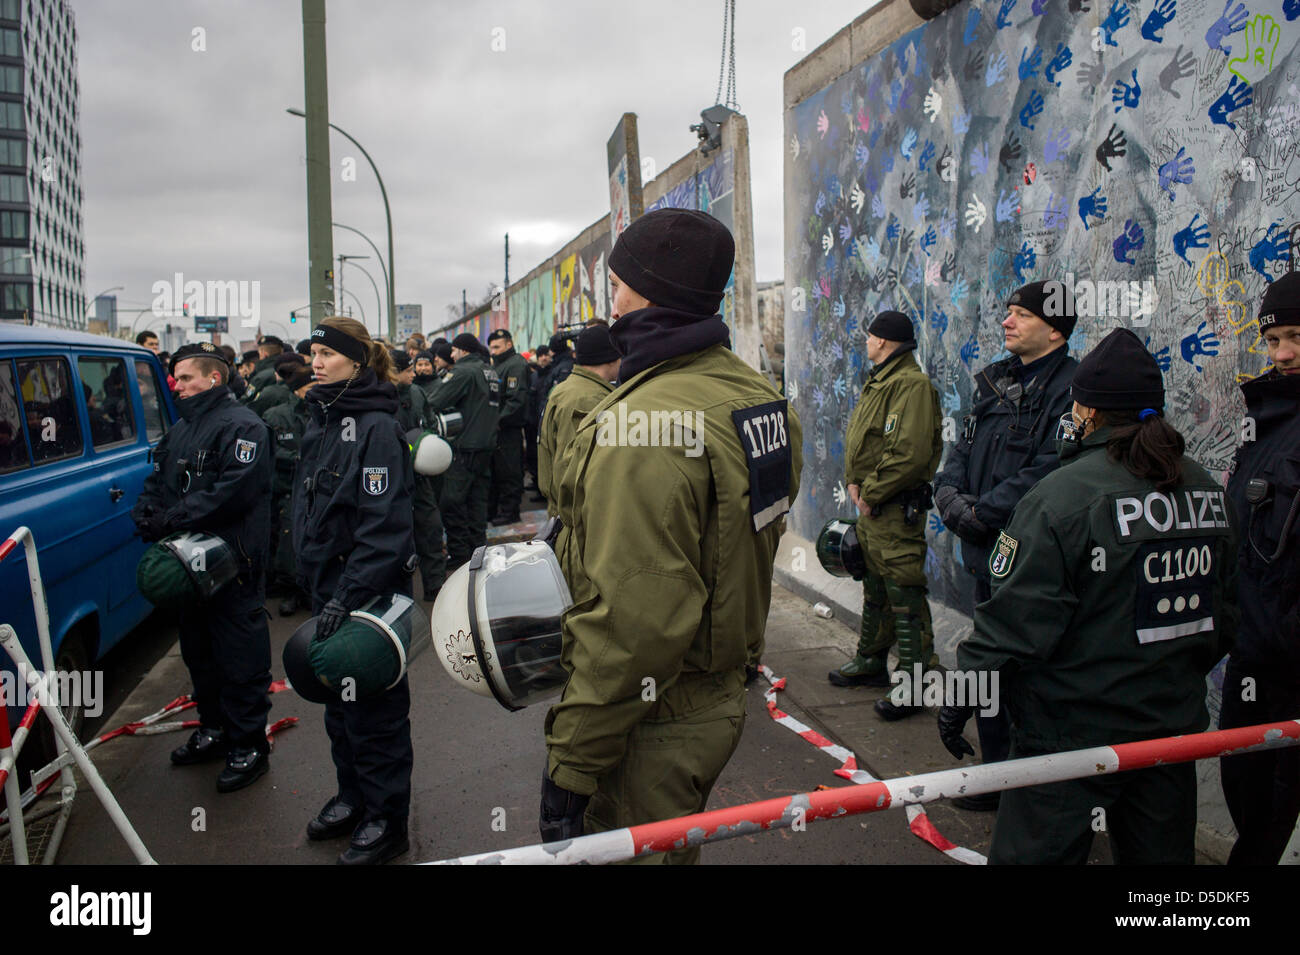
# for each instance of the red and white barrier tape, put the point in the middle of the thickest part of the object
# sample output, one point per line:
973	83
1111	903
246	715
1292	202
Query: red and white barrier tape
917	821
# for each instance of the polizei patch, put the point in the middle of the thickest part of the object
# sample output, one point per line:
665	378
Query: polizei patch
375	480
245	451
1004	554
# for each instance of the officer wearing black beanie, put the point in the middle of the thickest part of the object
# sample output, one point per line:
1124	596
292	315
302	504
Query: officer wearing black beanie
1263	789
1111	602
1006	445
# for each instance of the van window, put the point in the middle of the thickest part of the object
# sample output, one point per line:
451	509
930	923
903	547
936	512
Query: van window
13	446
45	385
108	403
155	422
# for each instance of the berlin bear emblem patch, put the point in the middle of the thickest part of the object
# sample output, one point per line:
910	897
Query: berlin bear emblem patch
1004	553
891	422
376	480
245	451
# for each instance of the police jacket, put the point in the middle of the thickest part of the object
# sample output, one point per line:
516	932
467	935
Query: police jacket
569	404
512	371
1111	602
212	472
1007	446
561	367
352	494
276	393
1269	557
410	407
471	387
668	546
895	436
288	423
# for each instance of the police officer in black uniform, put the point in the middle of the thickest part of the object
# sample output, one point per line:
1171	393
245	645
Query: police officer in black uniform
1006	446
352	535
508	461
212	472
1262	681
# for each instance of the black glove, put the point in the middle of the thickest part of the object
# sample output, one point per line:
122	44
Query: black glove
561	816
943	497
149	525
331	618
952	720
964	522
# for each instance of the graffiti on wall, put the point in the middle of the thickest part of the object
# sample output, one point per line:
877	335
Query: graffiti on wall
582	284
1146	154
532	311
712	189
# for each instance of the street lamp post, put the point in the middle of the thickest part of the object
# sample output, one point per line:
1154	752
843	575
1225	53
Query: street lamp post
388	213
378	298
373	247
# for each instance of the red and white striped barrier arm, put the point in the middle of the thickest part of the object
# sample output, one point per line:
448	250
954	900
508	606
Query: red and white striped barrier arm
783	812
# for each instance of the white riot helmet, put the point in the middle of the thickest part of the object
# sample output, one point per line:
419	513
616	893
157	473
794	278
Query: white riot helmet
496	623
430	454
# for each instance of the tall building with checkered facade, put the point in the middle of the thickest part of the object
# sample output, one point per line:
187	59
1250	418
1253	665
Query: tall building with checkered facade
42	252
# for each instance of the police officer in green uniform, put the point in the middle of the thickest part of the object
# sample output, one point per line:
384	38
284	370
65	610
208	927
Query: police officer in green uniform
668	544
471	387
1113	597
277	392
287	421
269	350
508	461
894	444
595	369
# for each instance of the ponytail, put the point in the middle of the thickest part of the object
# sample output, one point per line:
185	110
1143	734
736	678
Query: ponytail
382	363
1149	448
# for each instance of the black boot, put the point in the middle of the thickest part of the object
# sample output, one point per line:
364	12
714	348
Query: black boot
335	819
244	766
204	745
375	842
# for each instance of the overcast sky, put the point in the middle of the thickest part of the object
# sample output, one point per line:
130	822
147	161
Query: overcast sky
191	165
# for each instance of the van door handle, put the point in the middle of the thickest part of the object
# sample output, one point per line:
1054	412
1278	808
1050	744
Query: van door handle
115	493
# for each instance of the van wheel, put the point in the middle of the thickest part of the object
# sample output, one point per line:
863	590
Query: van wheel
40	748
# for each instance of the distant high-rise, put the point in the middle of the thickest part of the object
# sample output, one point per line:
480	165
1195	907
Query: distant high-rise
42	255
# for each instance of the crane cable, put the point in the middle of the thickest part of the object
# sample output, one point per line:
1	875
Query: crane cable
727	61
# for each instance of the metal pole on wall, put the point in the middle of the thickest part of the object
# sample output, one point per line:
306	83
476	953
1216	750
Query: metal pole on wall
320	239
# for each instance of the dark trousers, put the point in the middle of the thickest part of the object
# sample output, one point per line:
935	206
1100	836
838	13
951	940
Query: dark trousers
464	504
1262	790
530	447
428	534
370	743
284	568
994	731
227	647
1150	815
507	473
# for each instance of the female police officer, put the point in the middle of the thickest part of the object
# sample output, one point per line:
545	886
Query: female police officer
1111	602
352	535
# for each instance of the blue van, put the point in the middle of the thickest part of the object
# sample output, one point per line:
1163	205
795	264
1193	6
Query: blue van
79	417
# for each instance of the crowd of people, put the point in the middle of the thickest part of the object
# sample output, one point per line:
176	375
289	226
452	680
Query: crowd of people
1109	566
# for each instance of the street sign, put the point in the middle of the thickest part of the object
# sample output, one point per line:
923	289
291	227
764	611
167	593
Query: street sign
208	324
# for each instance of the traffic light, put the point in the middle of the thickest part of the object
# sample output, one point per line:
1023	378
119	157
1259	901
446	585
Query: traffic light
293	317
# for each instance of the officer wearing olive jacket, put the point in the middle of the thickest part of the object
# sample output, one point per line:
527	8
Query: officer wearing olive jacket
894	444
668	546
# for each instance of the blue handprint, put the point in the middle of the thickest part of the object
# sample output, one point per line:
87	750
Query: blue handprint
1129	242
1058	141
979	158
961	120
971	350
939	320
877	207
1124	94
914	273
1157	19
895	94
1029	64
1227	24
873	250
1004	13
820	204
1162	356
921	209
846	232
1008	205
909	143
1237	95
972	21
892	230
1194	236
1274	247
1031	109
1038	7
887	161
947	224
927	153
935	523
928	240
1291	8
861	153
1023	261
838	310
1060	62
1177	170
960	289
1199	342
996	70
1092	205
1115	20
851	326
838	387
1054	216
